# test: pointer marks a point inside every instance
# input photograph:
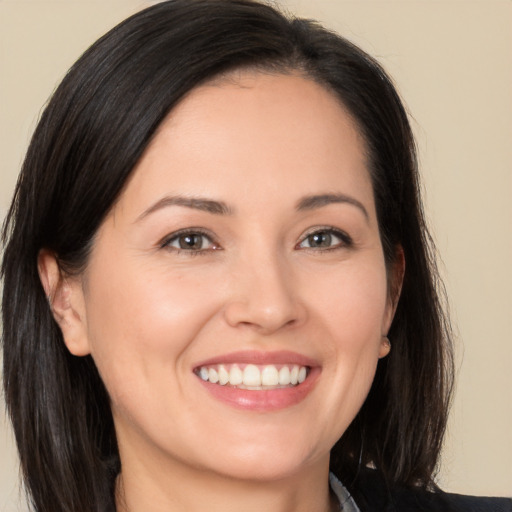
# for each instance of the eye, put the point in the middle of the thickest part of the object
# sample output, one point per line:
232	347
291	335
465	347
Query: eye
325	238
189	241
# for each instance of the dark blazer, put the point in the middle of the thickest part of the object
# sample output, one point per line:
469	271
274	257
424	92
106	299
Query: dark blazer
372	495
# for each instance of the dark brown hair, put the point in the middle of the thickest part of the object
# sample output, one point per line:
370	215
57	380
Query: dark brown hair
87	143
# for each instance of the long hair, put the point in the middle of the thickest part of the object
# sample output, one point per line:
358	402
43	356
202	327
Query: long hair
89	139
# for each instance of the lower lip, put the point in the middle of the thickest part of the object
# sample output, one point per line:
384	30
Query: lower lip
263	400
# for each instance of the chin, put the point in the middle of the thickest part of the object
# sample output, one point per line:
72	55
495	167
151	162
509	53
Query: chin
266	462
270	469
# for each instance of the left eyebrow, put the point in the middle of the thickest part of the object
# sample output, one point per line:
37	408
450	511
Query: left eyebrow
320	200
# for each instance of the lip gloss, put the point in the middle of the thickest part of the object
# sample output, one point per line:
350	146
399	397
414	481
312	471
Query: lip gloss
261	400
265	399
260	358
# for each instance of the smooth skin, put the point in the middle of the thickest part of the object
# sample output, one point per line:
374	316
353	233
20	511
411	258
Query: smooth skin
248	224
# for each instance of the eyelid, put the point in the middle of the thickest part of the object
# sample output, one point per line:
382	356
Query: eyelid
166	241
345	238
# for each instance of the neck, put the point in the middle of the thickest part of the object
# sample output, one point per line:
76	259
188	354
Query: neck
192	490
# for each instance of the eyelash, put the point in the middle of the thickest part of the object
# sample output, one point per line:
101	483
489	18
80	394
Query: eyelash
345	241
174	237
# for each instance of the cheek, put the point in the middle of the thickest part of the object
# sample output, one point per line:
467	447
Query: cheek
141	321
362	312
354	303
352	314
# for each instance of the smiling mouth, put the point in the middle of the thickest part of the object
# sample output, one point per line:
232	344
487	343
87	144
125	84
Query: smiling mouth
254	377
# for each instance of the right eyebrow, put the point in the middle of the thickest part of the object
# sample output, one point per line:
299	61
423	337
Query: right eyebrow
196	203
320	200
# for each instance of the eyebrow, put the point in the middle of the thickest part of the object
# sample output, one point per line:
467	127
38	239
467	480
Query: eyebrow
221	208
196	203
318	201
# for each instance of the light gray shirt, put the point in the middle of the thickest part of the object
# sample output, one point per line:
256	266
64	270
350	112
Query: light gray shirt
347	503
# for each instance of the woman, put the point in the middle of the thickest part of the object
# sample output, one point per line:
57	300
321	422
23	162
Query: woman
216	232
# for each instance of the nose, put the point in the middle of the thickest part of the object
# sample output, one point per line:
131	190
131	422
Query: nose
263	295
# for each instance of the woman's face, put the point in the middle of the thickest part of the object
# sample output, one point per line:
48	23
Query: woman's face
244	250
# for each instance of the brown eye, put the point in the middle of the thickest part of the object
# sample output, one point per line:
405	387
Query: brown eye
189	241
192	242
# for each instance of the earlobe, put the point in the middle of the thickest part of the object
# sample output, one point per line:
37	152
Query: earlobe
385	347
66	301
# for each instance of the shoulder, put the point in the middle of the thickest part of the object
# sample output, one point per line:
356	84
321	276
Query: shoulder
372	495
461	503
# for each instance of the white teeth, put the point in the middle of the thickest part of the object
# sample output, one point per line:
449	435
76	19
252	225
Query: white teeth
203	373
294	375
254	377
223	375
235	376
213	376
284	376
270	376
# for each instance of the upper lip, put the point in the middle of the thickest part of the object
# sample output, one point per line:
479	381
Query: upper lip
260	358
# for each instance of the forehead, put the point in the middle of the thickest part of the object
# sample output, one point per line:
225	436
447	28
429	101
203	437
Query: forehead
253	133
259	99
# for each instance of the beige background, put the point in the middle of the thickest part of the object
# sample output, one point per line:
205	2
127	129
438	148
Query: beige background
452	63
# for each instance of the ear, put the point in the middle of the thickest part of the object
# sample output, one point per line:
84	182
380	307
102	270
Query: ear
66	300
396	279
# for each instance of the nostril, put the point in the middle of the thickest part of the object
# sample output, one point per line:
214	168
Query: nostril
263	319
262	294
